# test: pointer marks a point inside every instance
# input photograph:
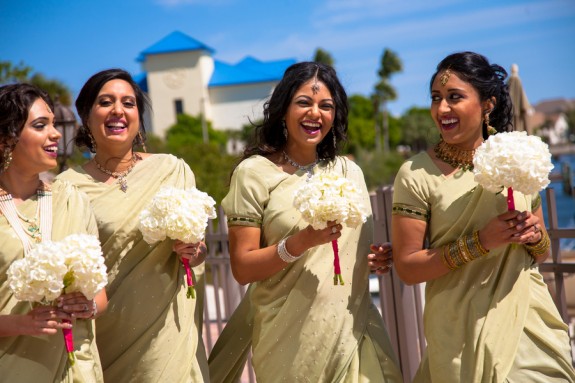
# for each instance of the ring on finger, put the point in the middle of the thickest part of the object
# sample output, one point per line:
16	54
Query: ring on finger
510	223
536	228
333	229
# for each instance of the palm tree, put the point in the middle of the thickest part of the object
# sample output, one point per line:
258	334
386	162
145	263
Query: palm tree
323	56
383	92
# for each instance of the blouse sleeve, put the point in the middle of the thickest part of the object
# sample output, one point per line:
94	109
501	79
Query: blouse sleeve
410	194
247	198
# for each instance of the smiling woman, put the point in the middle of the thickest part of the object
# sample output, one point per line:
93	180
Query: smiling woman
33	212
151	331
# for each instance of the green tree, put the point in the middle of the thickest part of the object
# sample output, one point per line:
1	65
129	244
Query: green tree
378	168
418	129
323	56
360	132
57	90
390	63
188	130
13	73
209	161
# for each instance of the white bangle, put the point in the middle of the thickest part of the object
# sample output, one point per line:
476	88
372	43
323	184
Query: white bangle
94	309
284	254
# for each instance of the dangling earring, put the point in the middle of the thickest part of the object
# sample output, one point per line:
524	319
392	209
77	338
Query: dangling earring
142	142
7	160
334	138
285	129
490	129
92	141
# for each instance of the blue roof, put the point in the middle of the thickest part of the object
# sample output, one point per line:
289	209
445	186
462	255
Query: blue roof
249	70
174	42
142	80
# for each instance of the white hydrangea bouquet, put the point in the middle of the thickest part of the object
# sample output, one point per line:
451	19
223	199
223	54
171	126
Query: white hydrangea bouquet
55	267
512	160
180	215
329	197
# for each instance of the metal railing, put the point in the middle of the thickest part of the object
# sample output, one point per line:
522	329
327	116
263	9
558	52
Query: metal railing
401	305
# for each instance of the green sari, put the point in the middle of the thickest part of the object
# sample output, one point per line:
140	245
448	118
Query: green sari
302	327
43	358
151	331
492	320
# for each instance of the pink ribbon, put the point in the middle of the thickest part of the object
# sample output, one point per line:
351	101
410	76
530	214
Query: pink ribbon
69	341
510	199
336	268
191	291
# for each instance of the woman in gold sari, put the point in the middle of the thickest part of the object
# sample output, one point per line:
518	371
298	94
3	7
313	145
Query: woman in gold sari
488	314
31	211
301	327
151	331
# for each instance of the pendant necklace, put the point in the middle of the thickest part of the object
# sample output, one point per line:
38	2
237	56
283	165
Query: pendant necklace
306	168
120	176
30	230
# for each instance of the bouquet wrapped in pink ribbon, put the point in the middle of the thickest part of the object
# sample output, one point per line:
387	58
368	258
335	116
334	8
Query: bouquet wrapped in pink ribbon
328	197
55	267
180	215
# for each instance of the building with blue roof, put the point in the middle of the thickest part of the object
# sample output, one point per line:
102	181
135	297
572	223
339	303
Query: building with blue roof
180	75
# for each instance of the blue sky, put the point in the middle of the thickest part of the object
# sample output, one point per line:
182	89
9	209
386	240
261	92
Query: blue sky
71	40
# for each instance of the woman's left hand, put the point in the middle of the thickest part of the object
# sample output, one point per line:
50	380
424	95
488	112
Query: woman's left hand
194	252
76	304
380	261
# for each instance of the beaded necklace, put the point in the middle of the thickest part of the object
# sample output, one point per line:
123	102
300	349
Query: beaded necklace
452	155
120	176
30	232
306	168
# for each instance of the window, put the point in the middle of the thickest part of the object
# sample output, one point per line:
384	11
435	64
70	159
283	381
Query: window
179	105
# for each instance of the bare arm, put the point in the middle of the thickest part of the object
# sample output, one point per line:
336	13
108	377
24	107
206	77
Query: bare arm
250	263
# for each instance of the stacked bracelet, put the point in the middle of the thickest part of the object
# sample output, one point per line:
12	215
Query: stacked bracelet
541	247
464	250
284	254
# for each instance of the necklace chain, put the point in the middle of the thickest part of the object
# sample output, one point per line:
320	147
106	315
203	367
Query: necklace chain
452	155
120	176
306	168
37	232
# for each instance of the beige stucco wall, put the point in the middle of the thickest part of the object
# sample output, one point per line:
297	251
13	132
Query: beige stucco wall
233	106
172	76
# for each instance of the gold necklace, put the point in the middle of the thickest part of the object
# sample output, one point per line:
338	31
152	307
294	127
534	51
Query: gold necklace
120	176
452	155
37	232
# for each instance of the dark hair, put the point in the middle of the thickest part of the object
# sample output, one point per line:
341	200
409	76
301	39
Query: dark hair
88	95
268	136
489	81
15	103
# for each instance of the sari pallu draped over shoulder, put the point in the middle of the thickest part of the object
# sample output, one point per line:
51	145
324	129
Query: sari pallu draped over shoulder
302	327
151	332
492	320
44	358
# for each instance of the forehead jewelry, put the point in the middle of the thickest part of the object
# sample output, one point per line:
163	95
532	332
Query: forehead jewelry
445	77
315	85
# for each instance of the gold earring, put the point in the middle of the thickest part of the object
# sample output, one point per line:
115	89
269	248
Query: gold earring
7	160
142	142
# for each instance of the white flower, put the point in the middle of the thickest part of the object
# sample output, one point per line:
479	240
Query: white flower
85	261
515	160
46	270
329	197
177	214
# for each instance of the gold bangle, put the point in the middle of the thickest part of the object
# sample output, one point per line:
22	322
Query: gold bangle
478	244
446	260
540	247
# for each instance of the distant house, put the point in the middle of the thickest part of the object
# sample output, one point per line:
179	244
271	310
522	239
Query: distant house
181	76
